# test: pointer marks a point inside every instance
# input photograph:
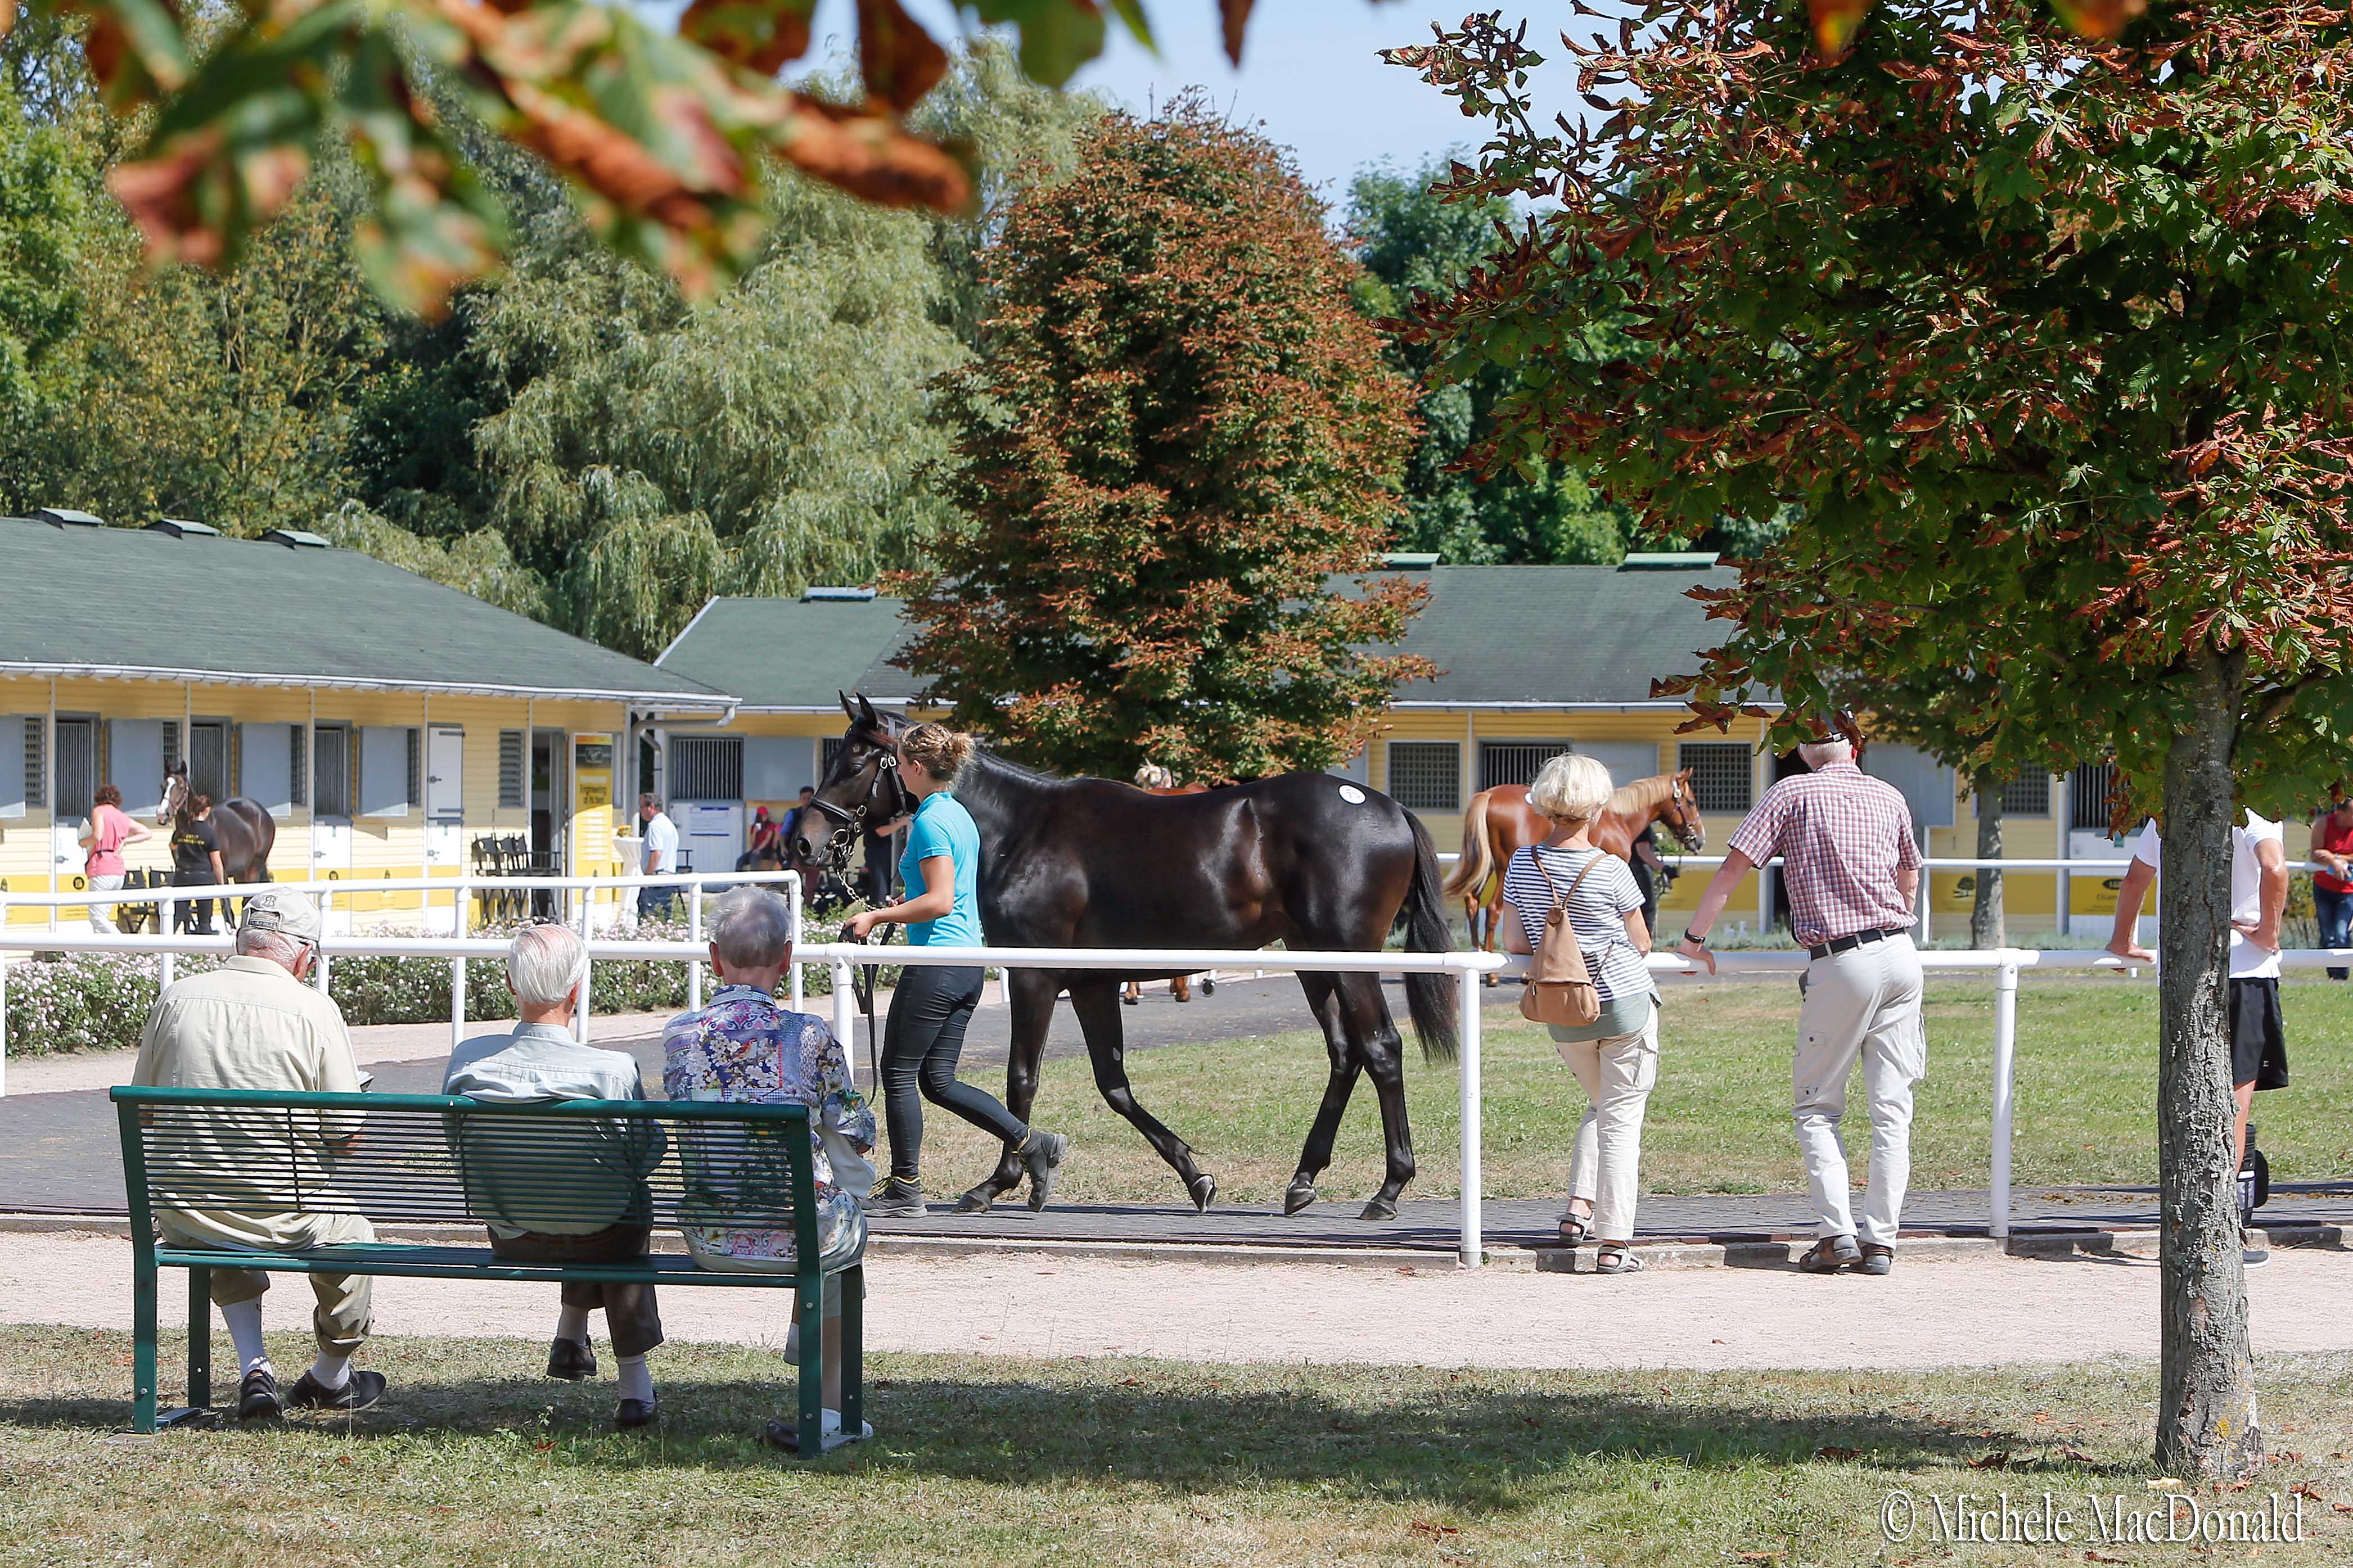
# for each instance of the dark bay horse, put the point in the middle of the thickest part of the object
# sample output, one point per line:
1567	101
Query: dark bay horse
1499	820
243	830
1305	858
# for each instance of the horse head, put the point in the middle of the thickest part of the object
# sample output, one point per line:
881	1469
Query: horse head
861	790
176	793
1680	812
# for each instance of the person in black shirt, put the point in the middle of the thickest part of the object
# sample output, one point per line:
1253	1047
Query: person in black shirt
195	863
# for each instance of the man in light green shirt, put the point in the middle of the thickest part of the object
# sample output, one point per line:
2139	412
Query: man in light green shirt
253	1025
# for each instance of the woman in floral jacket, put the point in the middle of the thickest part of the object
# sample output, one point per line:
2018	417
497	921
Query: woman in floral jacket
744	1046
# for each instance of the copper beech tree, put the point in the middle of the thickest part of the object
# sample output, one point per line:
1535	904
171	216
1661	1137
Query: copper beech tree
2046	345
1178	430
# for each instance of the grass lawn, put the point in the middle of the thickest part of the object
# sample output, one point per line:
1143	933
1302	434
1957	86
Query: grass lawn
986	1462
1719	1120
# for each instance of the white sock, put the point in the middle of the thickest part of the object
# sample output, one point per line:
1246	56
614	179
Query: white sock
572	1323
244	1321
636	1383
331	1371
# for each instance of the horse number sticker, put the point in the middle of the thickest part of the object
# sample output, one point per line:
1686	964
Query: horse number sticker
1352	794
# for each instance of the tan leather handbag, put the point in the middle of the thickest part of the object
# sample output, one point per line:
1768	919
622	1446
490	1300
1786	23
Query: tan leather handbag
1560	988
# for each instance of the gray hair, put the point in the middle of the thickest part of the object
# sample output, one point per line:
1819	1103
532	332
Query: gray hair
1571	787
1821	754
260	942
753	930
544	963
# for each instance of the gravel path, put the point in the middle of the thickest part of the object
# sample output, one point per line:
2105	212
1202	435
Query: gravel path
1973	1311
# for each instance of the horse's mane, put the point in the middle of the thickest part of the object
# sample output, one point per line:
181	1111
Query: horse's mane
1642	794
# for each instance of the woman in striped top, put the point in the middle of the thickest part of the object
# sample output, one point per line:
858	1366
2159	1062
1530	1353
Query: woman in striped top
1615	1057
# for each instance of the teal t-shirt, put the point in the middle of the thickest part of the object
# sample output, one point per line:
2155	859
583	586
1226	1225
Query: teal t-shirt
942	826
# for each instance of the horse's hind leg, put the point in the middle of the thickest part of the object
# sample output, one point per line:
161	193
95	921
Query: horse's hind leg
1316	1153
1030	999
1096	1002
1366	1017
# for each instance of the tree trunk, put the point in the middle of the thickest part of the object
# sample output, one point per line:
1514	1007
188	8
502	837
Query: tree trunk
2206	1426
1985	929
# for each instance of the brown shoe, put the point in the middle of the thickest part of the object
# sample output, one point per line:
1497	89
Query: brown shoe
1829	1255
1875	1259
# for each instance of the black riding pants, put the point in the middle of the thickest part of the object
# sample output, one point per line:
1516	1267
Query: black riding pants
920	1046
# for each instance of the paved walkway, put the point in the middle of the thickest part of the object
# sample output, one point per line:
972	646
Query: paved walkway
1979	1310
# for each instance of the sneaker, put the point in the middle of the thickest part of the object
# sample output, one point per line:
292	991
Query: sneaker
894	1199
257	1396
1875	1260
359	1392
571	1360
787	1435
2250	1254
1829	1255
1043	1157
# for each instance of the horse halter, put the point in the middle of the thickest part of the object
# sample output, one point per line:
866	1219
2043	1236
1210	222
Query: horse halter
850	822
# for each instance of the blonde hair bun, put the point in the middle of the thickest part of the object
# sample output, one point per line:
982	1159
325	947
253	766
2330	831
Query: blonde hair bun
938	750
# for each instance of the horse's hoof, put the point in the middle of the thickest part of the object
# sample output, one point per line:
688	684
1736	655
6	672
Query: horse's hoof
980	1200
1486	980
1379	1208
1204	1188
1297	1196
1208	988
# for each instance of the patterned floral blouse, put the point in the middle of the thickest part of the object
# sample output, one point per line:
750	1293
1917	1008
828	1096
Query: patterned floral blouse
743	1047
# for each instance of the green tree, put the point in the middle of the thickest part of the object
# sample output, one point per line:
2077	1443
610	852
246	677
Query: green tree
2048	348
1410	241
1179	428
42	220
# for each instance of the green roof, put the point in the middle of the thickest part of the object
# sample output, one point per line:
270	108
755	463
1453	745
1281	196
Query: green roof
1536	635
144	604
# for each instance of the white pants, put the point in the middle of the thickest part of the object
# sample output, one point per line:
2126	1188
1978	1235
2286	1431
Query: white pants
102	916
1864	1002
1617	1073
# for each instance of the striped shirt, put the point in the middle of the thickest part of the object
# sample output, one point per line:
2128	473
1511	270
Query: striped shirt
1598	911
1842	836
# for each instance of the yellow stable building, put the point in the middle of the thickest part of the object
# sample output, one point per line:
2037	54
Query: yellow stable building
389	725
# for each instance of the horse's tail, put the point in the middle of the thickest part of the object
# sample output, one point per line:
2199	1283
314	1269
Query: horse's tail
1476	864
1429	998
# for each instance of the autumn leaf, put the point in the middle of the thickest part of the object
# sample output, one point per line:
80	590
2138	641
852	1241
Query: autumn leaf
760	36
1835	23
900	61
2102	19
1235	17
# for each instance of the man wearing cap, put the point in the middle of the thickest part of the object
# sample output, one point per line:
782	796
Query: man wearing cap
253	1025
1853	868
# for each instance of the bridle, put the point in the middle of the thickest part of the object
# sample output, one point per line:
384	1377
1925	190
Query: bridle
886	801
1678	822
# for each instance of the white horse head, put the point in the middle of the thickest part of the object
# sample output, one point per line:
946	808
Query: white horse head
176	793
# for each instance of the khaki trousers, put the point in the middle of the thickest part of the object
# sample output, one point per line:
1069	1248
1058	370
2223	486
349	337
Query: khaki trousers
1617	1073
345	1311
1863	1002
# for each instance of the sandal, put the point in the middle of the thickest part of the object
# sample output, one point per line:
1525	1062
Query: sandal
1574	1228
1617	1257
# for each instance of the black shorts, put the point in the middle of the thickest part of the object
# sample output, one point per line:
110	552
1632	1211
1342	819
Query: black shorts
2258	1048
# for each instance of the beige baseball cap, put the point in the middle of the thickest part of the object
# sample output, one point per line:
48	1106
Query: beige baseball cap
281	909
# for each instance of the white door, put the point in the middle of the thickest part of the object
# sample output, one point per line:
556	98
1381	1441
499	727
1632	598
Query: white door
1928	784
330	847
445	774
712	833
134	764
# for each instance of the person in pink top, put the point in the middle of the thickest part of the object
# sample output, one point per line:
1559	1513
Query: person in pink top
105	835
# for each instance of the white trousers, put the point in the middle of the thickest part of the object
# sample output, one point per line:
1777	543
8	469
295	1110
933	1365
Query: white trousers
1617	1073
1864	1002
102	916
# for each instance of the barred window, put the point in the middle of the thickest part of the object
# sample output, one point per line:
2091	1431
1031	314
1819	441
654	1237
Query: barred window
511	770
1722	779
832	750
1514	762
298	765
331	771
37	762
2087	795
2028	795
209	759
77	740
1426	775
706	767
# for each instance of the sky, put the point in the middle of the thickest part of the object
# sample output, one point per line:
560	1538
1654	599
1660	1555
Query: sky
1311	76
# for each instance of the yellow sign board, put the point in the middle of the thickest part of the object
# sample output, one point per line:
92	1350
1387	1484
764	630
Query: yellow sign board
592	800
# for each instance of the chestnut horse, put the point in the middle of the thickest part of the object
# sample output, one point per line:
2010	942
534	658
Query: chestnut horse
1313	861
1499	820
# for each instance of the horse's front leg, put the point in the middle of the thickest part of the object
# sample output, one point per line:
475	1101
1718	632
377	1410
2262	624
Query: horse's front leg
1030	998
1096	1002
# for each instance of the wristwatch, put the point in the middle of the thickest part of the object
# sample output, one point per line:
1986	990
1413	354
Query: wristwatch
1693	937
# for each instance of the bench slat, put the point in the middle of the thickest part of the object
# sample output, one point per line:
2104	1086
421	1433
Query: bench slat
470	1263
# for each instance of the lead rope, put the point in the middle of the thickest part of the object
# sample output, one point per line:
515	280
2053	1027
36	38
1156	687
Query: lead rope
862	987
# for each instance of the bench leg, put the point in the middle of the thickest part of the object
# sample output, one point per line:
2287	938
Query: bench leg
810	1304
853	1348
142	1343
200	1338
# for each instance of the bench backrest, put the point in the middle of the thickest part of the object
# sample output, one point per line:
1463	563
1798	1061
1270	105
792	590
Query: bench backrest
561	1165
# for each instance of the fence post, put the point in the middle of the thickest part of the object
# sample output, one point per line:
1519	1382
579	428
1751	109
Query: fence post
3	996
319	964
458	965
165	968
793	908
2005	1051
842	1002
1466	987
694	935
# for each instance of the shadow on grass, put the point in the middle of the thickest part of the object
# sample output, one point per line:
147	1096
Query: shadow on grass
1457	1443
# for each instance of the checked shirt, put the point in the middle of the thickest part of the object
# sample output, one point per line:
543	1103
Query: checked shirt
1842	836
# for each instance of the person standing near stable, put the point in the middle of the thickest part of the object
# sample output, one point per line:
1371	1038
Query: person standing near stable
196	863
1615	1057
106	834
1852	870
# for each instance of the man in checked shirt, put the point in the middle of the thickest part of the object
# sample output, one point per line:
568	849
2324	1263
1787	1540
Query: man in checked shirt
1853	868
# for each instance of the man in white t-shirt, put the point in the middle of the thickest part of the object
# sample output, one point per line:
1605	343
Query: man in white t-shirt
661	855
2258	899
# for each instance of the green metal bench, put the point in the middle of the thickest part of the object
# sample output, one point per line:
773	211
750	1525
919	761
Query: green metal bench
432	1159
